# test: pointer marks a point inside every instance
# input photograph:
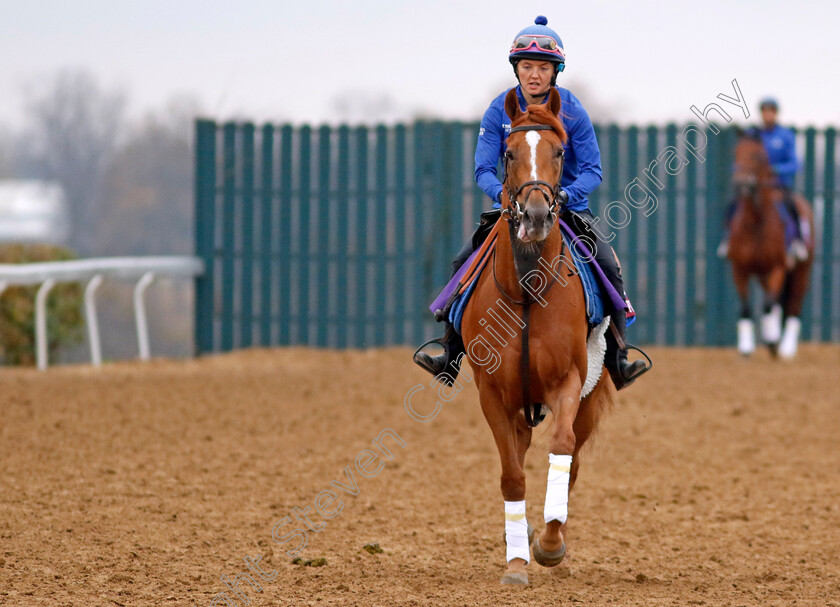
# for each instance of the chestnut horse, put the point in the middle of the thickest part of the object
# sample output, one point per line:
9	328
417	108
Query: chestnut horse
539	320
757	248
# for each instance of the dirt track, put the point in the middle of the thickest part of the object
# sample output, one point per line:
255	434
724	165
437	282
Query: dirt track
143	484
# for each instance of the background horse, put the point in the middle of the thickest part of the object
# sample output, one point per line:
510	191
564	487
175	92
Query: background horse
757	248
538	318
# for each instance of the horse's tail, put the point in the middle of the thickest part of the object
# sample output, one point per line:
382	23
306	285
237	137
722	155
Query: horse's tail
603	396
593	407
796	287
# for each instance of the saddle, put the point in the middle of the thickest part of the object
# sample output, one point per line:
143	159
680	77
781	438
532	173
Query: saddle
452	301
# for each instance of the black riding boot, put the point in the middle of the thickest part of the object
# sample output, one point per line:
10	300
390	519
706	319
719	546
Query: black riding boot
622	371
798	249
445	366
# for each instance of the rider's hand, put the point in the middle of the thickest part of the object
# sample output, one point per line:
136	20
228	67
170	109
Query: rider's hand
563	197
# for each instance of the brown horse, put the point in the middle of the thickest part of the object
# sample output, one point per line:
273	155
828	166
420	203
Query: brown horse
757	248
526	331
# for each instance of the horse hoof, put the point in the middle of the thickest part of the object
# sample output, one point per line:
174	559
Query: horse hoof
548	559
515	577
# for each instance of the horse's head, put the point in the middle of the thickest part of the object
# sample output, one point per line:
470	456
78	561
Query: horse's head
533	166
752	167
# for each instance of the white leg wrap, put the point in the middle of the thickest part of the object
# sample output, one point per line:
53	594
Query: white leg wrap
516	532
790	338
557	491
771	325
746	336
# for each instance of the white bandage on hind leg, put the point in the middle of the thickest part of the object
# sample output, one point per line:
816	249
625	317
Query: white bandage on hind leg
557	491
516	532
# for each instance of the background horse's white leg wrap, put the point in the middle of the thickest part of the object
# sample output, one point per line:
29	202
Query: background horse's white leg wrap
557	491
790	338
771	325
746	336
516	532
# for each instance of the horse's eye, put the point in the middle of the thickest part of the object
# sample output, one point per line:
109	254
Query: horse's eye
509	155
561	153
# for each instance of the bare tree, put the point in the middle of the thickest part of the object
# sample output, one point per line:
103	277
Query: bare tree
71	133
148	187
148	210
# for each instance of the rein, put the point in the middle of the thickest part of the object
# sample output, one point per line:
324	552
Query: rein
513	215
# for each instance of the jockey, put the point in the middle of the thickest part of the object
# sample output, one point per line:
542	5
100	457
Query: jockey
537	57
780	144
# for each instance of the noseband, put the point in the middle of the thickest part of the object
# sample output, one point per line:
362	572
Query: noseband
551	193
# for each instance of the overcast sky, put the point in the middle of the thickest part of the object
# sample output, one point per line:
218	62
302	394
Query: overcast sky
644	61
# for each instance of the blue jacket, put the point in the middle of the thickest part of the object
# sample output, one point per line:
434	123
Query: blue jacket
582	168
780	144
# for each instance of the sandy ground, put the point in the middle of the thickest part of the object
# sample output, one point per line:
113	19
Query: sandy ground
714	481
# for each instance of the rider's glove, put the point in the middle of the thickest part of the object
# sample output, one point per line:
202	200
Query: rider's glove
563	197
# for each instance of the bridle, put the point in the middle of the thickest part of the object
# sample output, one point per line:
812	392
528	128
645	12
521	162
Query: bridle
748	183
551	193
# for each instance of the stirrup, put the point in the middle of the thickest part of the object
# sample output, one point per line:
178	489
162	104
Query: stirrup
421	363
649	364
648	367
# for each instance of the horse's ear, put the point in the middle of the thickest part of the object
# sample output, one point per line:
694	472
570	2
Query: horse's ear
512	105
554	101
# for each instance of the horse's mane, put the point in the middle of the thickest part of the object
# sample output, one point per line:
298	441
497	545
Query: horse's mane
539	114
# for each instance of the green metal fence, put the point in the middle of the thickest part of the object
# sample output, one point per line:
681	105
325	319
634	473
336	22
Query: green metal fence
341	236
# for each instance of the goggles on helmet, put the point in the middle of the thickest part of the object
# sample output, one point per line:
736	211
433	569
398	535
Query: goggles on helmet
537	42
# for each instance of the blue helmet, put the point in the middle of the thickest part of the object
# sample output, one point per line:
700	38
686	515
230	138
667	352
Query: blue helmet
539	43
771	101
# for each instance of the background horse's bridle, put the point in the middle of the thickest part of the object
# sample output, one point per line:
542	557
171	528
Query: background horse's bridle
550	193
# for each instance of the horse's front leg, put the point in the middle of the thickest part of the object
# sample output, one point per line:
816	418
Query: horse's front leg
771	322
550	548
511	444
746	329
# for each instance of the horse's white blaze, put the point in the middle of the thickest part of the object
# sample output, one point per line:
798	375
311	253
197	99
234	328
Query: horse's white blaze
533	138
771	325
516	531
790	338
746	336
557	490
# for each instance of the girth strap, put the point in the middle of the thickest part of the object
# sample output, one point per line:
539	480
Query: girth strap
534	413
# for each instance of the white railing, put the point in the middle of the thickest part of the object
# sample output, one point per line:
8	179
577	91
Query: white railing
48	274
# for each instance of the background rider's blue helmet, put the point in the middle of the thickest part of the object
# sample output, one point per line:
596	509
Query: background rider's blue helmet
538	42
768	102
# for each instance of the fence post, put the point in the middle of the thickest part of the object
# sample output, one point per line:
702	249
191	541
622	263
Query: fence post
267	276
828	311
41	338
246	170
205	230
228	313
93	321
